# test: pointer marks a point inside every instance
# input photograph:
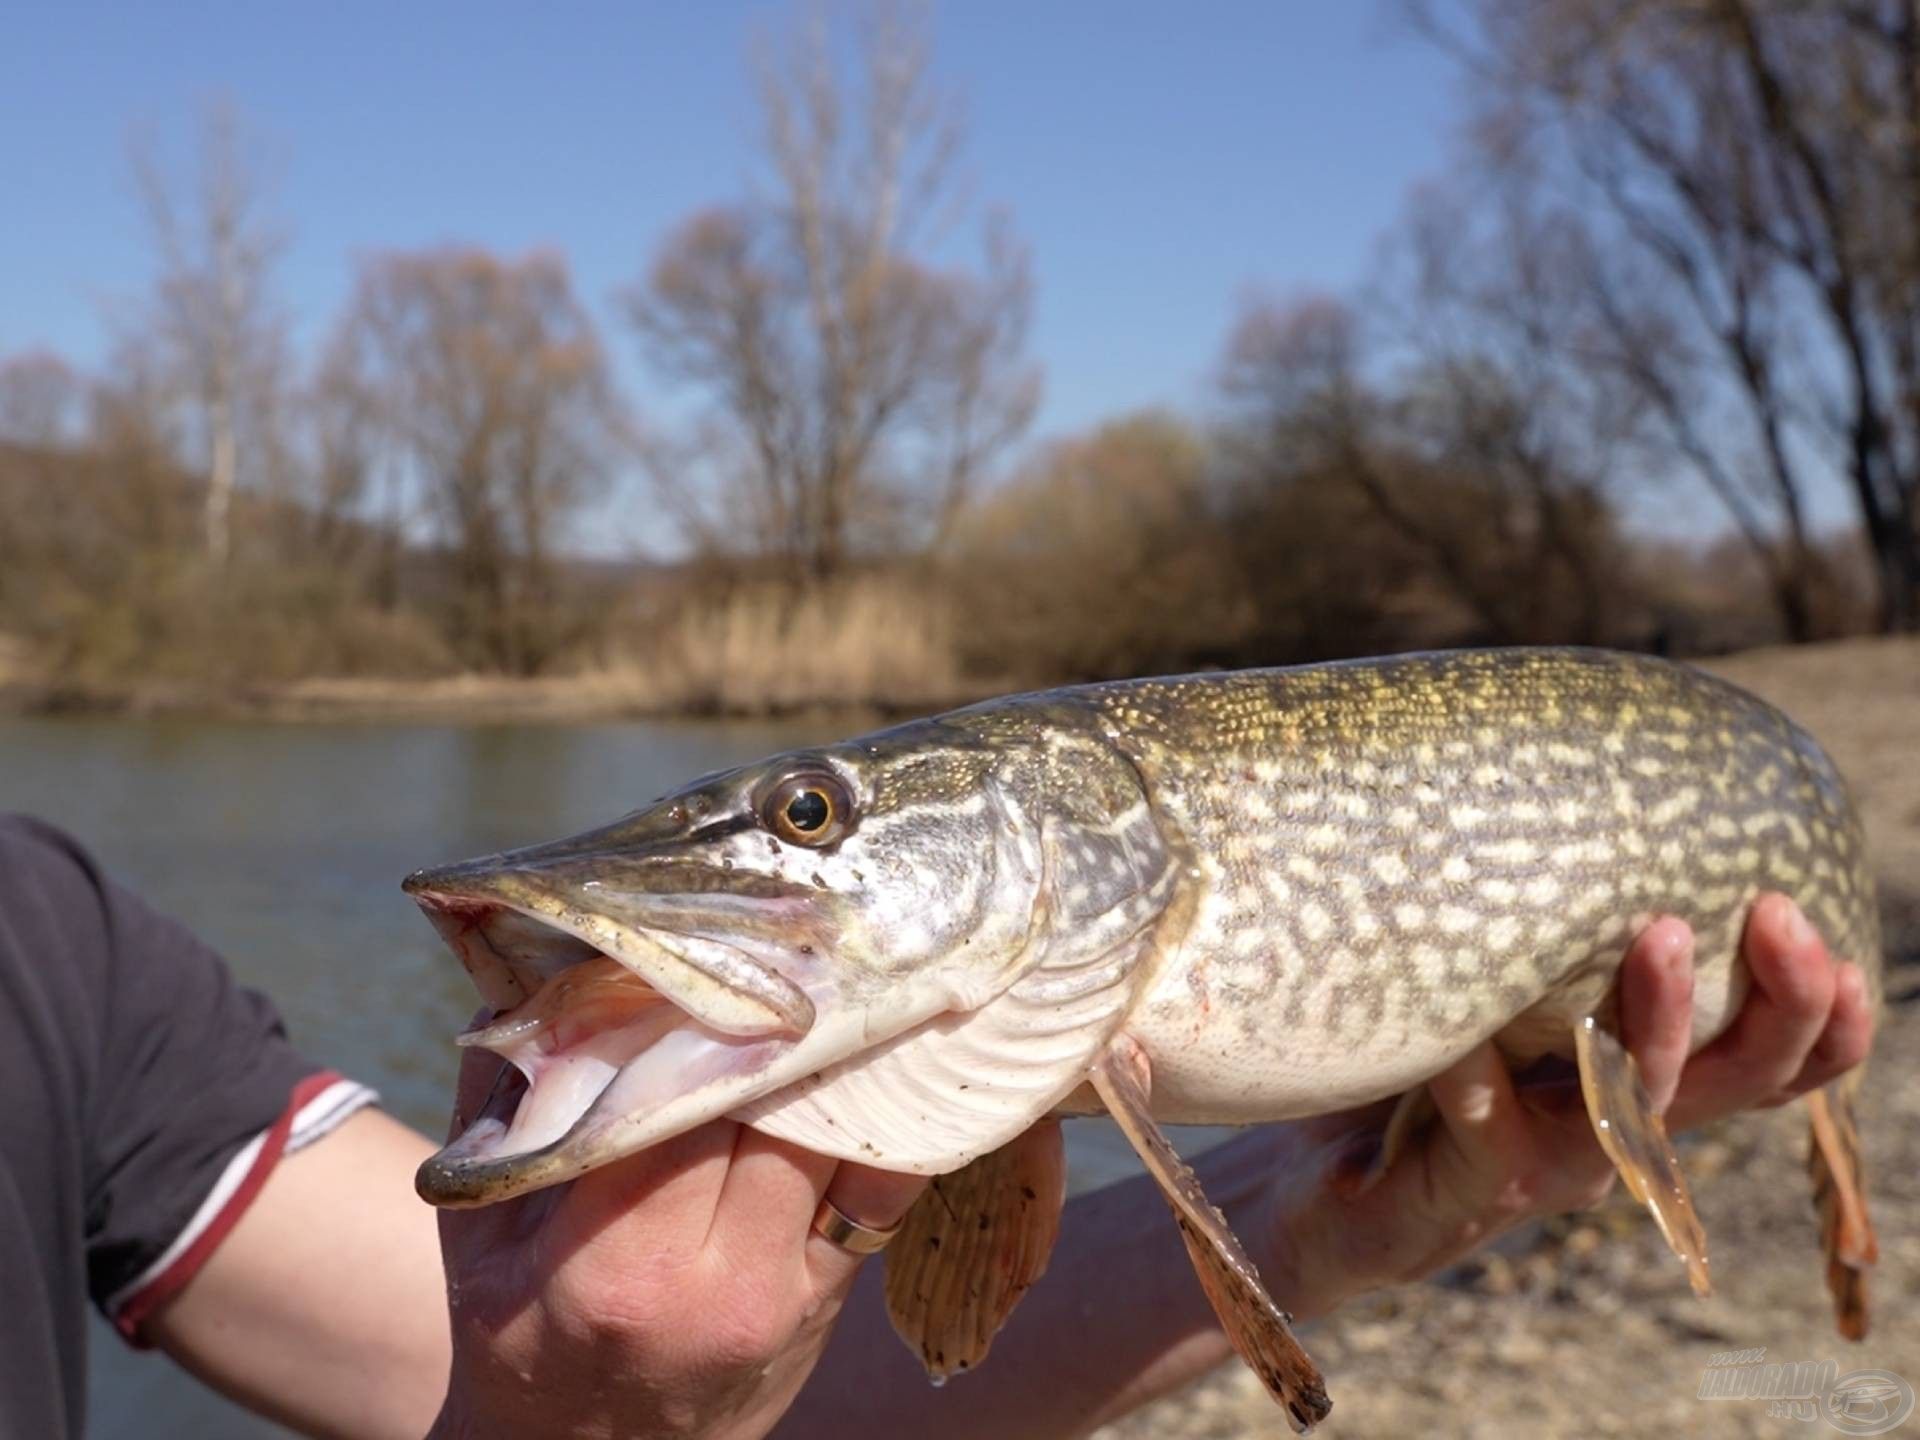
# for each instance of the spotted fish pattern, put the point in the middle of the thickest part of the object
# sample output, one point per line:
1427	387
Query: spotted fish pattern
1389	861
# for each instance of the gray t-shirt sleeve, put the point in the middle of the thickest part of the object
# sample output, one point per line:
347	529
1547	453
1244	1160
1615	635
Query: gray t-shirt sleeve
179	1069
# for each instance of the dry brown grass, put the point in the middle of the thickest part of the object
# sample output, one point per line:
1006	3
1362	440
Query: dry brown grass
879	641
882	643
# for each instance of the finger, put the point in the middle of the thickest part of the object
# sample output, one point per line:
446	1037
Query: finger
485	1085
1786	1011
1795	978
772	1191
659	1202
878	1199
1847	1038
1656	1005
1480	1113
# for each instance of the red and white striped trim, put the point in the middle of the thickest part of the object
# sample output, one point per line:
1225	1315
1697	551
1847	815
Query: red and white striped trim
321	1115
317	1106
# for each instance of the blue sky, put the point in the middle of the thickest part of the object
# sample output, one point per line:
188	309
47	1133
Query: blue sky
1158	159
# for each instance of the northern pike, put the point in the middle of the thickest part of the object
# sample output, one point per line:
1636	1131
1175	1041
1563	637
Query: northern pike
1219	899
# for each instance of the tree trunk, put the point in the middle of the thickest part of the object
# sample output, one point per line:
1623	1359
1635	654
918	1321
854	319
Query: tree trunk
220	487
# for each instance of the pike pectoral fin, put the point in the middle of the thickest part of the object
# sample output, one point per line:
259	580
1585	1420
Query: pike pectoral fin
972	1245
1840	1197
1635	1139
1259	1329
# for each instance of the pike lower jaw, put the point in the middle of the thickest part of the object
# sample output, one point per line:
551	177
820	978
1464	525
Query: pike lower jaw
592	1049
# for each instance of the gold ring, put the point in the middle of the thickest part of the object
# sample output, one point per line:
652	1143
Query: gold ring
834	1225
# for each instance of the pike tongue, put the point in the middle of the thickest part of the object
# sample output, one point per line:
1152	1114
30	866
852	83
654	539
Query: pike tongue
1258	1328
569	1040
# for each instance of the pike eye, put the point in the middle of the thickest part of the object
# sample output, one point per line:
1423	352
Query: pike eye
808	810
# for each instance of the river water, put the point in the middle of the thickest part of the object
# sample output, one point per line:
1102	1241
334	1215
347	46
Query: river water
284	846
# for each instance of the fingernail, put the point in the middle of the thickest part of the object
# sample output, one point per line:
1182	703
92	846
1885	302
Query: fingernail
1476	1103
1799	930
1679	954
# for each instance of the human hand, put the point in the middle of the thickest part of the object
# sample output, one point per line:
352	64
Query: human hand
680	1291
1500	1154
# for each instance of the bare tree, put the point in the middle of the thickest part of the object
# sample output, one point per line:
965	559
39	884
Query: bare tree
486	376
858	389
1460	458
212	323
1482	302
1753	173
1101	557
40	418
1293	377
343	456
42	400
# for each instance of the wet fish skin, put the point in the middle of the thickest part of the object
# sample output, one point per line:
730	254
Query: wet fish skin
1391	860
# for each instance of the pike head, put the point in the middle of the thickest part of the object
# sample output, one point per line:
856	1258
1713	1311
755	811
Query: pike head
902	949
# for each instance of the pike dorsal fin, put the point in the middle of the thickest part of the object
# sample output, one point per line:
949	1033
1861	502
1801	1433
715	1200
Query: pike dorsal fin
972	1245
1632	1133
1260	1330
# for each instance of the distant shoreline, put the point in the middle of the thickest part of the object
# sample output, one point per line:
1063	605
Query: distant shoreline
455	699
607	695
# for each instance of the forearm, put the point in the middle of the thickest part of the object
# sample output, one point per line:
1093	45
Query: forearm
326	1306
1117	1320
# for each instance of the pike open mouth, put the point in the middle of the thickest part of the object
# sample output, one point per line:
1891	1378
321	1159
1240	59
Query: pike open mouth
618	1036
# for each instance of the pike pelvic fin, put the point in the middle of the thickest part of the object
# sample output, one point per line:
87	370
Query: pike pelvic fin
1840	1199
1260	1330
972	1245
1635	1139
